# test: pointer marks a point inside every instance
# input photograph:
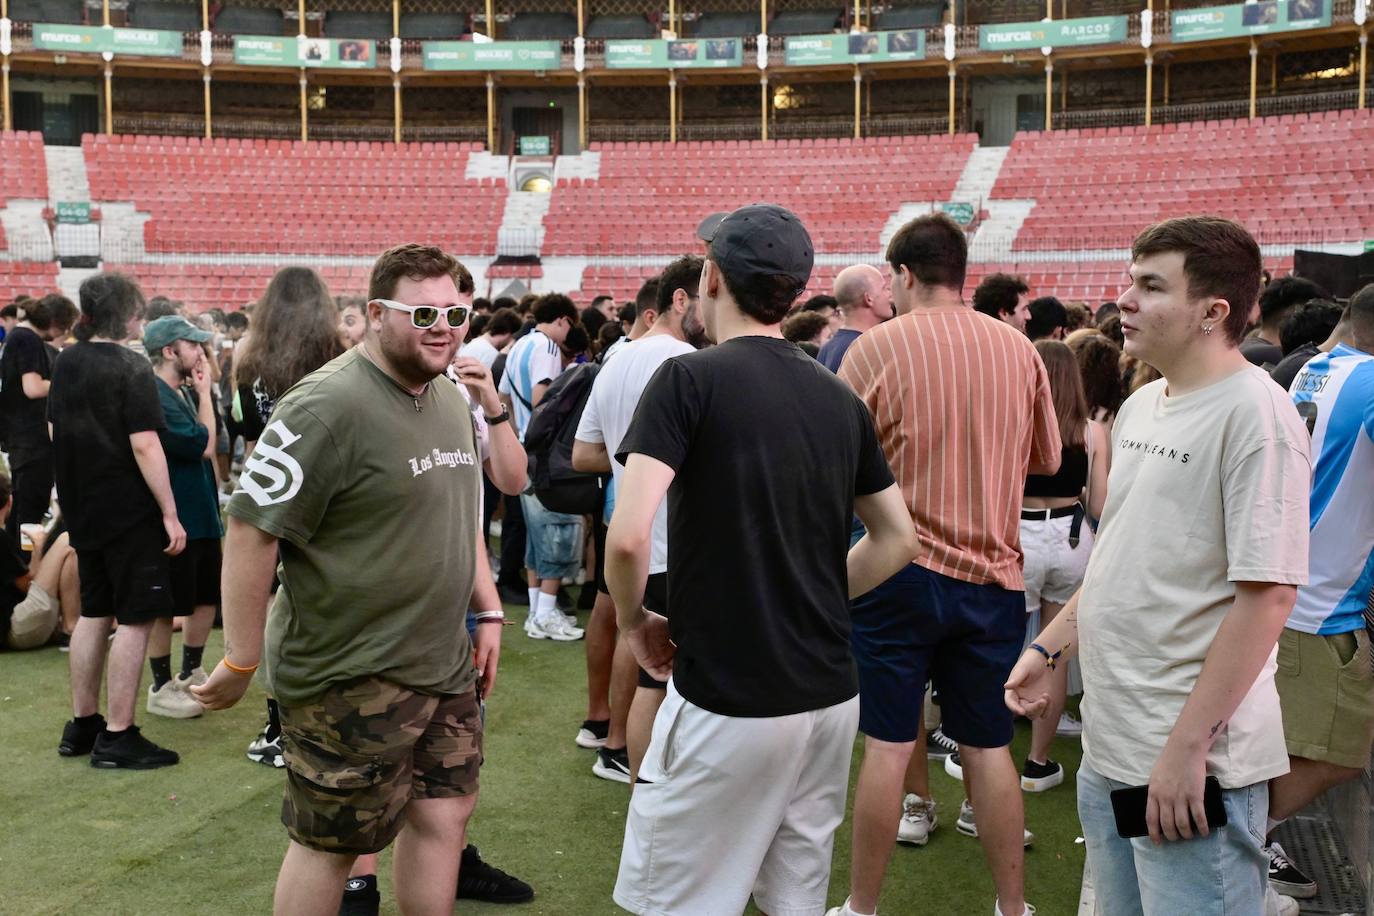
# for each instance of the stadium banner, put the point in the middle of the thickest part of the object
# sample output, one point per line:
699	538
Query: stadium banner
960	211
535	146
1058	33
493	55
280	51
1249	19
73	212
855	48
660	55
84	39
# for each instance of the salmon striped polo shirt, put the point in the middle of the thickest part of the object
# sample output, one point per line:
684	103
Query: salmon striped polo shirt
963	410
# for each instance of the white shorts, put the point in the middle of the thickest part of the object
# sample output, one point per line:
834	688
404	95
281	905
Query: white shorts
734	807
1054	570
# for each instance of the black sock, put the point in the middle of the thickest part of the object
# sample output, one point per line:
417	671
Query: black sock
190	659
162	670
598	727
368	885
273	717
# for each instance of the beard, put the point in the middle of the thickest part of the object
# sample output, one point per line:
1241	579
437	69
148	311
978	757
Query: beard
693	330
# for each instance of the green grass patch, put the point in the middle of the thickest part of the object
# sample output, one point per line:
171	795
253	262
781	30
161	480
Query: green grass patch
205	836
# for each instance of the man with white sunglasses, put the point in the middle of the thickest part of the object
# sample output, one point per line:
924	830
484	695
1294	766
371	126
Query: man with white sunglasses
369	464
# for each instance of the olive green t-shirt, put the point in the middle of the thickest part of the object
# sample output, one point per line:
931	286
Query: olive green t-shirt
373	495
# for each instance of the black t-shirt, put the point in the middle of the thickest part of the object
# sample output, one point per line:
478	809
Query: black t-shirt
1260	352
26	419
1289	367
13	564
769	449
102	393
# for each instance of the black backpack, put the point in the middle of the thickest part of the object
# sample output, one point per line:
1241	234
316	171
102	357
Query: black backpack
549	445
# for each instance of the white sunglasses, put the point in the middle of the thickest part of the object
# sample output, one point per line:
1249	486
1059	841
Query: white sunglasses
425	317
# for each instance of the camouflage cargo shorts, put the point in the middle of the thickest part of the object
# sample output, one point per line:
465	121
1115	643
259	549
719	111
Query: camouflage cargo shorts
363	750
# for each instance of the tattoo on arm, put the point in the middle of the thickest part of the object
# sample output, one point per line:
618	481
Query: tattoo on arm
1216	728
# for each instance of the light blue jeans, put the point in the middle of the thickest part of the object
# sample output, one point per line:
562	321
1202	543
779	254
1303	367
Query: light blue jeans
1223	874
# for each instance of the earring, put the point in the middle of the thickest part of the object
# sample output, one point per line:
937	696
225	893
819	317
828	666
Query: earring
1206	329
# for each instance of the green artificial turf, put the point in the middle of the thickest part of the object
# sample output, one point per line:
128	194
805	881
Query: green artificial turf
204	836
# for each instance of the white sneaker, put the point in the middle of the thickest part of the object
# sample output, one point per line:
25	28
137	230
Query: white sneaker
918	820
997	909
1069	726
841	910
1276	904
530	629
554	626
173	702
197	678
969	827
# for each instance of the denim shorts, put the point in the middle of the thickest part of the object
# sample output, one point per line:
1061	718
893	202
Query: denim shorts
553	540
1222	874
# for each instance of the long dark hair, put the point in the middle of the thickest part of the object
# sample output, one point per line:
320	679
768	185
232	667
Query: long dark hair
1066	387
294	332
1099	362
108	302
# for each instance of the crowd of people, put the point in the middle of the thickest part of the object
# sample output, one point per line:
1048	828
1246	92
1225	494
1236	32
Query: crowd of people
882	510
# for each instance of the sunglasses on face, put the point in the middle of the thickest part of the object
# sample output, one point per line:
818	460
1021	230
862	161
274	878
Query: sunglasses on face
425	317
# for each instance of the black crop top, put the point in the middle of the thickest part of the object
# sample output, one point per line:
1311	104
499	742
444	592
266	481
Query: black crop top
1070	480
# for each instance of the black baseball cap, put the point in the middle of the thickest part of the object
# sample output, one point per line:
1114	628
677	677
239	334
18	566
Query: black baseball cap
761	239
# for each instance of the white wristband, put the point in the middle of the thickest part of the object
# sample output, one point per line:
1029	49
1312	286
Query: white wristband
489	615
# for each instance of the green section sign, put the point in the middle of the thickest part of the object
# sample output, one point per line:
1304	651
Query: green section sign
1058	33
493	55
1249	19
660	55
278	51
855	48
73	212
535	146
959	211
86	39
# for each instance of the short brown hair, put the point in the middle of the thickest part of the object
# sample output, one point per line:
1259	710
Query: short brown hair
1220	259
803	326
415	262
935	250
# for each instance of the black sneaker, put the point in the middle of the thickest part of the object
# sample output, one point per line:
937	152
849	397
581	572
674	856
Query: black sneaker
1037	777
612	764
564	600
266	748
129	750
939	745
479	881
360	897
79	737
1286	878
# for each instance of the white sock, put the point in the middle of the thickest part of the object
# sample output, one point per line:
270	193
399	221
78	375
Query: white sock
548	604
534	601
847	910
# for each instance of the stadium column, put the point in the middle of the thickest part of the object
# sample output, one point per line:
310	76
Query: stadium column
951	100
491	20
1149	86
1049	94
763	106
672	107
581	112
396	96
305	122
7	122
109	98
491	114
1254	74
581	19
1365	44
396	70
858	102
205	75
205	78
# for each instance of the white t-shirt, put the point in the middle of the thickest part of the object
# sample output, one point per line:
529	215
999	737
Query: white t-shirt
533	360
480	349
611	406
1207	489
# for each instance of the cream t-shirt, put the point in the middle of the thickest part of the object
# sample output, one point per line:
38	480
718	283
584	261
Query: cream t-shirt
1206	489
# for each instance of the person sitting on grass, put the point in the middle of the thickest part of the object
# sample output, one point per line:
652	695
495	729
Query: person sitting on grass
39	593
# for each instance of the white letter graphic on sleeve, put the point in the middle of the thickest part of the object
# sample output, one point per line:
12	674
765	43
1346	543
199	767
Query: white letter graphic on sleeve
280	472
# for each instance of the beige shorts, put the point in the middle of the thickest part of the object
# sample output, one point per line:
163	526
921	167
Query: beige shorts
1326	690
34	620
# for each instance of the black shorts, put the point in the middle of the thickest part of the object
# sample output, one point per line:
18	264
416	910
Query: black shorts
195	576
129	578
656	600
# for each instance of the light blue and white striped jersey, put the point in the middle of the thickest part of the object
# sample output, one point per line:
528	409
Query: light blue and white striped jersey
534	359
1334	394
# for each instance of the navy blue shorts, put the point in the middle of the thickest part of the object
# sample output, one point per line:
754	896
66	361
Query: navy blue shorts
921	626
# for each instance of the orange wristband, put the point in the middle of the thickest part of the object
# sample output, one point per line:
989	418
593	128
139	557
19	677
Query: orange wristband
236	669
